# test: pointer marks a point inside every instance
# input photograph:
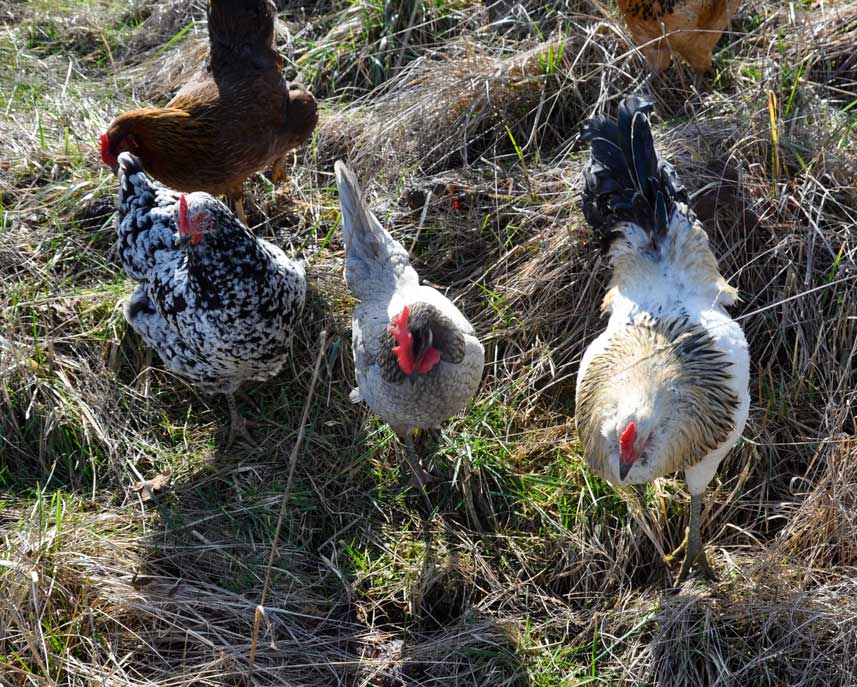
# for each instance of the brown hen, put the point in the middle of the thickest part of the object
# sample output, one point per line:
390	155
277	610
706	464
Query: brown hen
690	28
234	117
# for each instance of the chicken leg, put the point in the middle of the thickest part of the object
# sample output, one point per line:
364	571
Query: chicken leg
239	210
278	171
694	549
418	472
236	198
237	424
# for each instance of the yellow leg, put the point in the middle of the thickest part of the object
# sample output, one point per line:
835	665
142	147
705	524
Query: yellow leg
694	556
237	424
278	171
239	209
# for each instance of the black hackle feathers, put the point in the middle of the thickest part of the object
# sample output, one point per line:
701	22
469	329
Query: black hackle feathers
625	181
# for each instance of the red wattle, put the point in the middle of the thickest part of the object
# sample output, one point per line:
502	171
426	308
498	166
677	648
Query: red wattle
430	358
404	356
183	223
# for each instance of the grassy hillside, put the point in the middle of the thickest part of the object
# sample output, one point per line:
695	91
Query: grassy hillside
463	119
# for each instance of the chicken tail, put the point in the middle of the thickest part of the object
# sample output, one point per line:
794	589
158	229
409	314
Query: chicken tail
625	180
243	31
372	256
145	224
630	192
131	186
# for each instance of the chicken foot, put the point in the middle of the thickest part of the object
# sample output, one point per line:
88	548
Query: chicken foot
237	424
694	549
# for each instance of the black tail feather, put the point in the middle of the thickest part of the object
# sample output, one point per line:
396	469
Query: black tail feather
625	181
130	164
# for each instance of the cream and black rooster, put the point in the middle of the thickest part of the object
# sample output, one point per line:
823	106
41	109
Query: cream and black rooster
665	387
215	302
417	359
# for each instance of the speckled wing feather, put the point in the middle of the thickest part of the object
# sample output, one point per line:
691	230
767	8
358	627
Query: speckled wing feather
143	316
671	353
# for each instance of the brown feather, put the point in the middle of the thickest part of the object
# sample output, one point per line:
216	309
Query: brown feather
236	116
694	26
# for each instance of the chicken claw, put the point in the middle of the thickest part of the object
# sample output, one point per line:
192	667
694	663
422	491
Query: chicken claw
238	425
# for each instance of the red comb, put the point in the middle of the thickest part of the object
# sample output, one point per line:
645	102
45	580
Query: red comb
106	156
401	320
404	351
626	439
183	223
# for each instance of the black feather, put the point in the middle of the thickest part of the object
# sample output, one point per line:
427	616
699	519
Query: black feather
130	164
625	180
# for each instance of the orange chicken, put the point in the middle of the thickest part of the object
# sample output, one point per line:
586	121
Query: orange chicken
690	28
237	115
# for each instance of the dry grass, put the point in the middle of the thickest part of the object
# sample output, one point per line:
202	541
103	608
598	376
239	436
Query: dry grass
544	579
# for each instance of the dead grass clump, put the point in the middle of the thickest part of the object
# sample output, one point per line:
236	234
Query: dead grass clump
767	634
463	121
369	42
824	50
66	418
822	530
472	651
160	22
521	20
475	103
81	602
83	32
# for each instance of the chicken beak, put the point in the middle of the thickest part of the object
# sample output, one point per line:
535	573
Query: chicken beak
624	469
424	342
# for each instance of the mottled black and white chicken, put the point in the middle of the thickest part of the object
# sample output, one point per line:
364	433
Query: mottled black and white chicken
665	387
417	359
217	303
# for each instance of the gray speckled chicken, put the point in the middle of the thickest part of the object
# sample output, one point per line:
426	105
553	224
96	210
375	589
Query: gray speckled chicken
214	301
417	359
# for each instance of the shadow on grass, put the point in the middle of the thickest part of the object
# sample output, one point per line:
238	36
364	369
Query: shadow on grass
350	549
